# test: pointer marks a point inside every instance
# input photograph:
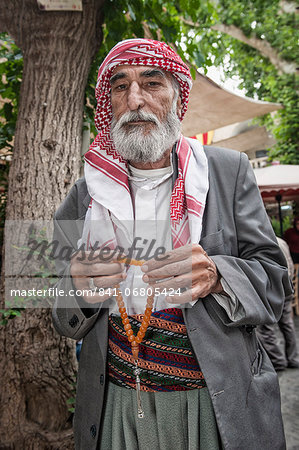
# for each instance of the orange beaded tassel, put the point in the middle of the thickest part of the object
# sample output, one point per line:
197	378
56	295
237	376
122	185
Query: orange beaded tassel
135	340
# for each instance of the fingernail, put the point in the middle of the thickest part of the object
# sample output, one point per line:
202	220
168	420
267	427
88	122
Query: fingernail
145	278
144	268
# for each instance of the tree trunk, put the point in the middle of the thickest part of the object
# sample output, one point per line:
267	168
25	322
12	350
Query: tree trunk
37	366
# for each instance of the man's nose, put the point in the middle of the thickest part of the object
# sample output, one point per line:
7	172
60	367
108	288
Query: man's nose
135	97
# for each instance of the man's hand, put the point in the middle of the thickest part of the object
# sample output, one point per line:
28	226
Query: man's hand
187	270
106	273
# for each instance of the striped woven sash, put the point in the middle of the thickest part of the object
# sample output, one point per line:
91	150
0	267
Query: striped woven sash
166	359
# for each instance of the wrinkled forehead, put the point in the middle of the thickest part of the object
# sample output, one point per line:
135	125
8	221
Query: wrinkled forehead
139	72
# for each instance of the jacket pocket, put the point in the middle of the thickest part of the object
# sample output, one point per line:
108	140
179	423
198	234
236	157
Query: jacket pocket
251	342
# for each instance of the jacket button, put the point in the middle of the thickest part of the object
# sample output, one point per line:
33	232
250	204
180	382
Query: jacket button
73	322
102	379
93	431
250	328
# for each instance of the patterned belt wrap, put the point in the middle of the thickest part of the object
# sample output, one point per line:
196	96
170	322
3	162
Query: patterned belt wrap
166	358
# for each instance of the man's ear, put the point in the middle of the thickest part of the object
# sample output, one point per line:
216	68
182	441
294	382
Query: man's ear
179	107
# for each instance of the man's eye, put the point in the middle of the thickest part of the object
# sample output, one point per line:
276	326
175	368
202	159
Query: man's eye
120	87
153	83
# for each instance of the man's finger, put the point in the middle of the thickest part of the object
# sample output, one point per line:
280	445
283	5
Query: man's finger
103	256
169	270
108	281
83	282
96	269
178	254
183	281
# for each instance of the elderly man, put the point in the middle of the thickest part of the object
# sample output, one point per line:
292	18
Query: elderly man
288	355
179	266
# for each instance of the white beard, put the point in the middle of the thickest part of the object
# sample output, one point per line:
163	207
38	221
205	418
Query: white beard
134	145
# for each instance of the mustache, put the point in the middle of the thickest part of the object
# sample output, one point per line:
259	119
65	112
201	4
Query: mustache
135	116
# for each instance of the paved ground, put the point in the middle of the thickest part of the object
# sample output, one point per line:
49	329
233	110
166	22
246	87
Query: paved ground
289	386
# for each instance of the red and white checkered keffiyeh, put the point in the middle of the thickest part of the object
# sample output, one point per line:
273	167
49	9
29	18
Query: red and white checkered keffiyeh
106	171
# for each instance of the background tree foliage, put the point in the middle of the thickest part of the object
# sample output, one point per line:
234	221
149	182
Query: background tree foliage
268	30
10	81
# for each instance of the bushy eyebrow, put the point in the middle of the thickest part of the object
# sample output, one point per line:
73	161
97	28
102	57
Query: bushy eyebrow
153	73
117	76
147	73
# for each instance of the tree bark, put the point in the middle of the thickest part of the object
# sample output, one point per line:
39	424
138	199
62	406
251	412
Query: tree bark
37	366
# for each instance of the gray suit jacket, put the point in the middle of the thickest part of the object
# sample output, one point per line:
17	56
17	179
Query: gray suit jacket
240	378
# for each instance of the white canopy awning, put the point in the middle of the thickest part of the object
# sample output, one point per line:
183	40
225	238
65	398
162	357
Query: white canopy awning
280	179
211	107
256	138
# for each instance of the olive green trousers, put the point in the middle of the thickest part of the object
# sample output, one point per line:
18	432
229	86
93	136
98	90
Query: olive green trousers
179	420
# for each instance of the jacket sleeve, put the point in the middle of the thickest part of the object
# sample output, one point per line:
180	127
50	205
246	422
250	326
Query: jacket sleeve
72	316
257	275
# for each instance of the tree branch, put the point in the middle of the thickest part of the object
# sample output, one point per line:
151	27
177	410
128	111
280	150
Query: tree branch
262	46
